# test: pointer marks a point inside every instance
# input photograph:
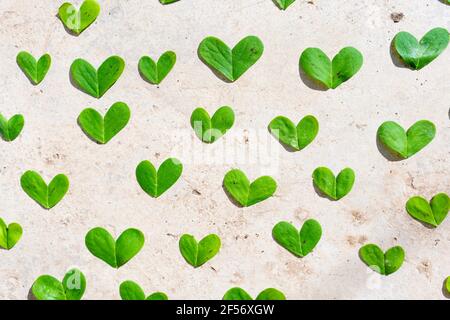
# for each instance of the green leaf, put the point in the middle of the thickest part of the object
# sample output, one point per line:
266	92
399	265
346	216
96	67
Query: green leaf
240	294
34	70
9	235
405	144
10	129
245	193
284	4
167	1
209	129
316	64
295	137
130	290
156	72
49	288
230	63
447	281
78	20
432	213
335	188
74	284
104	129
155	183
196	254
115	253
36	188
298	243
417	54
97	82
383	263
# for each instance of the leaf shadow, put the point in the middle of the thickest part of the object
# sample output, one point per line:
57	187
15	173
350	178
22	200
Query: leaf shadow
30	295
216	73
444	290
67	29
230	197
395	57
321	194
386	153
311	83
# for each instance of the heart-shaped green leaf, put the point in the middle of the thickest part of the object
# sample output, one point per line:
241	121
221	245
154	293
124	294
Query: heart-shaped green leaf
46	195
10	129
405	144
168	1
197	253
267	294
210	129
34	70
115	253
383	263
102	129
316	64
417	54
155	183
246	193
9	235
130	290
334	187
78	20
296	137
298	243
432	213
49	288
284	4
97	82
231	63
156	72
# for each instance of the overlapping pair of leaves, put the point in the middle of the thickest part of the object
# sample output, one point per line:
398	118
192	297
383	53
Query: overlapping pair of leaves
405	144
72	287
383	263
130	290
433	212
210	129
267	294
10	129
9	234
76	21
295	137
198	253
46	195
34	70
334	187
299	243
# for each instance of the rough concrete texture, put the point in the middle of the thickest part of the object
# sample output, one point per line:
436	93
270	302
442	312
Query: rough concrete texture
104	191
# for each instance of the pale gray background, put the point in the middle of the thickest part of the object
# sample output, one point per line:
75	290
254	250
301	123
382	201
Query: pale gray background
104	191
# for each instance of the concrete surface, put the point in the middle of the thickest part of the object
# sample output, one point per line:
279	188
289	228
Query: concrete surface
104	191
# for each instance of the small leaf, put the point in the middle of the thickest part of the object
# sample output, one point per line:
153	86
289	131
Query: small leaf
210	129
316	64
231	63
34	70
10	129
130	290
115	253
418	54
155	183
406	144
156	72
335	188
383	263
298	243
47	196
296	137
196	254
102	129
432	213
9	235
97	82
78	20
245	193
